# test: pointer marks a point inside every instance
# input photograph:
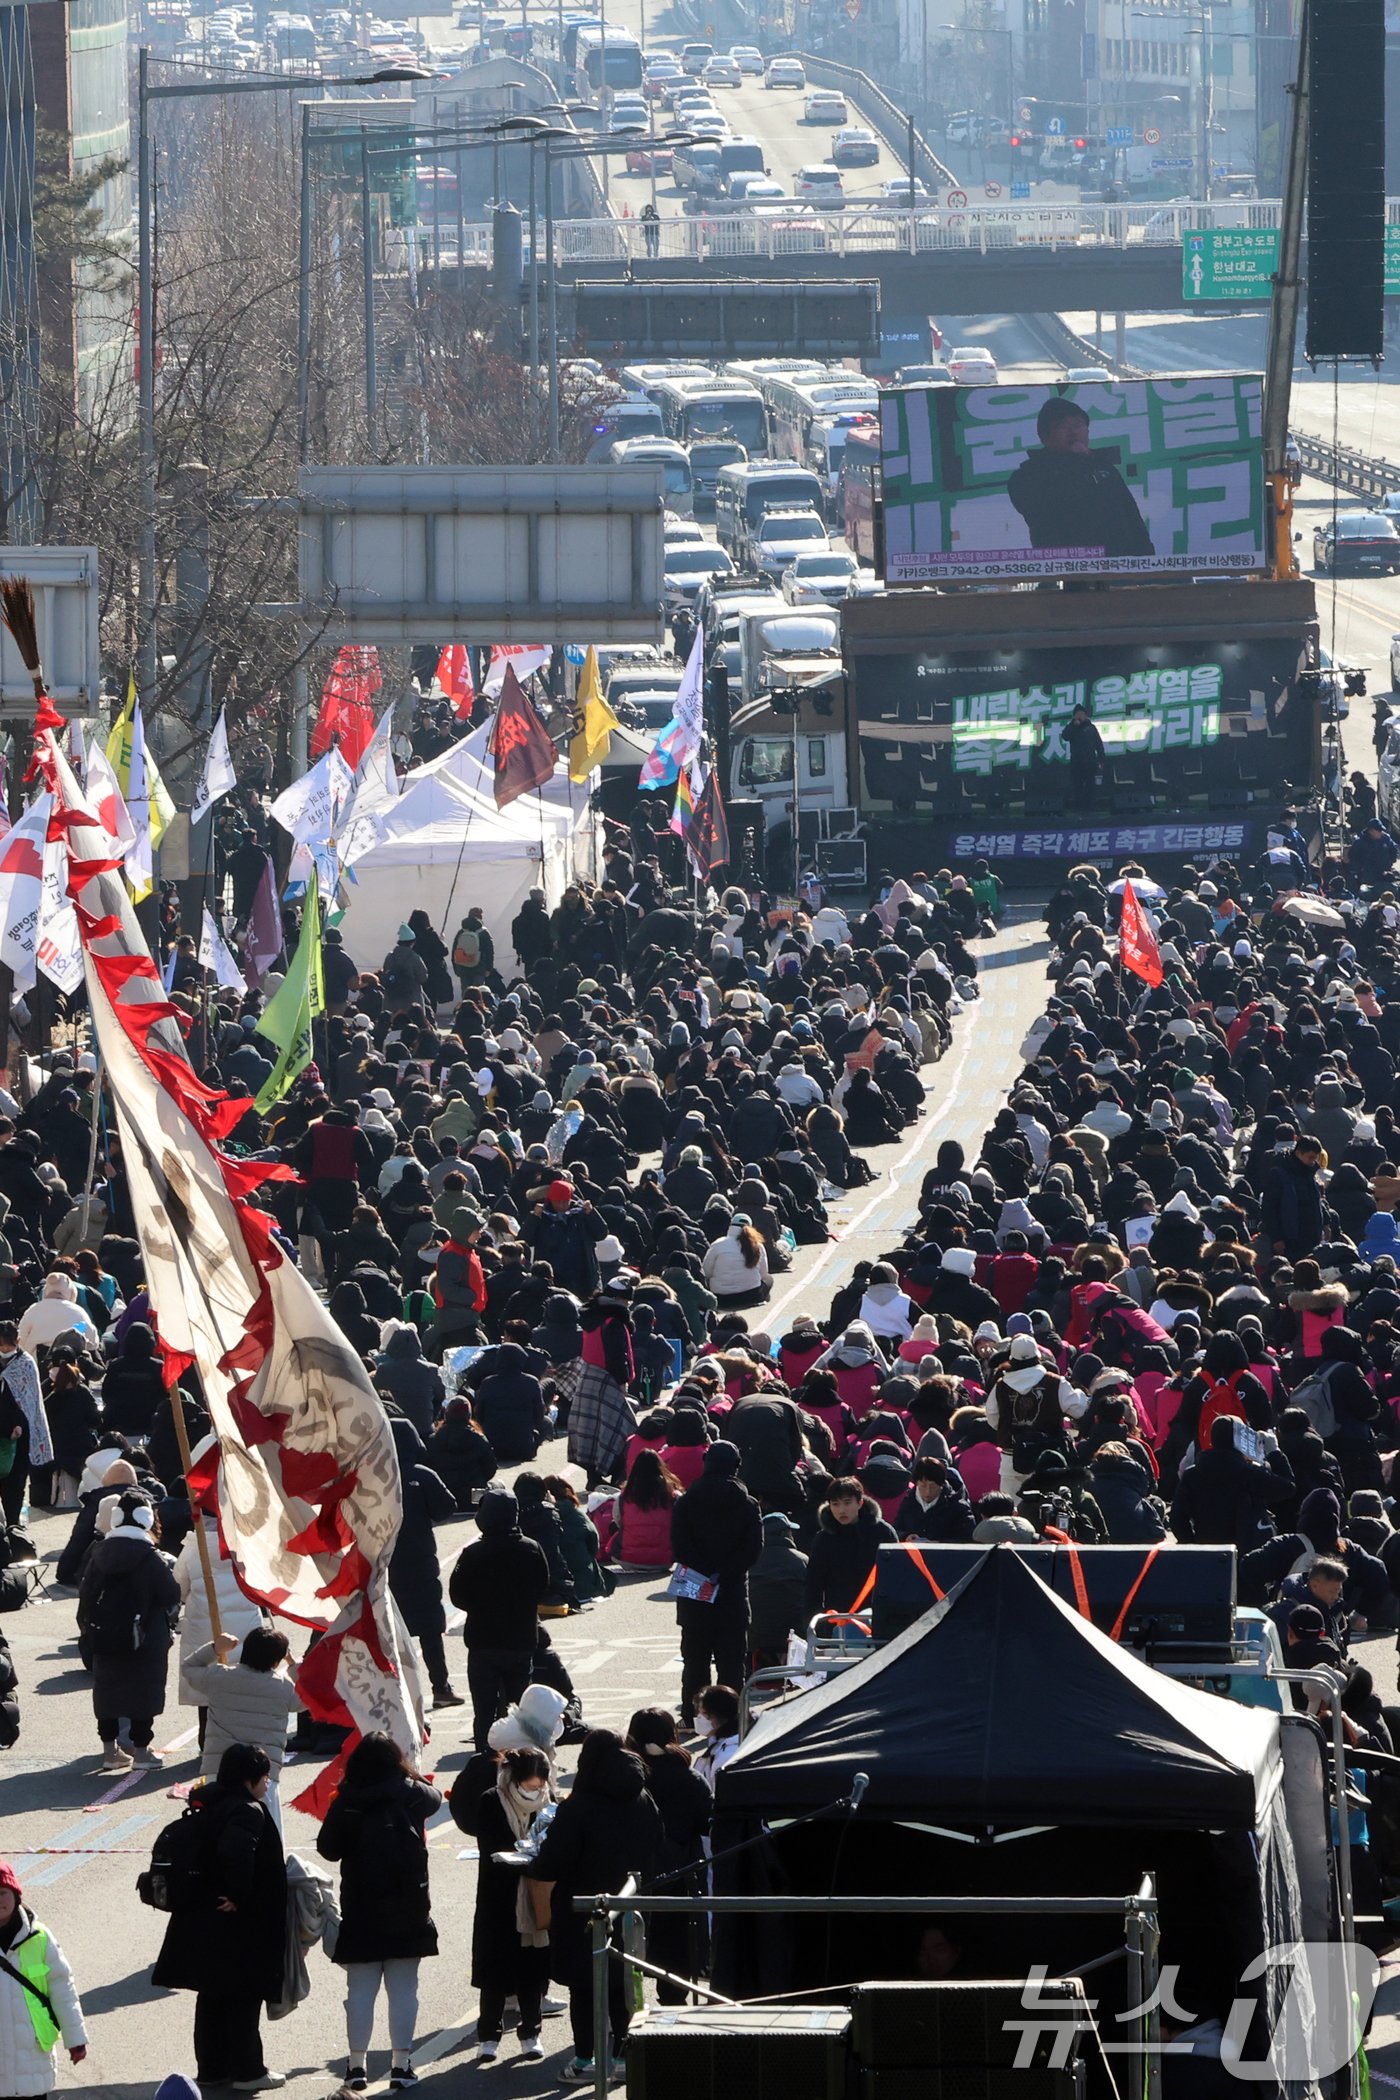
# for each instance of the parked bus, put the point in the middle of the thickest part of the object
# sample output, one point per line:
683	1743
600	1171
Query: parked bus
743	494
795	406
674	461
607	56
860	491
696	408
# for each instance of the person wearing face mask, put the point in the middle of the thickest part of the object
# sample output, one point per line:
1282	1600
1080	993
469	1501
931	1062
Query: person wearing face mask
510	1952
717	1720
39	2003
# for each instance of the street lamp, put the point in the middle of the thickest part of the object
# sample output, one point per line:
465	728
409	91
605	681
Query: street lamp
161	91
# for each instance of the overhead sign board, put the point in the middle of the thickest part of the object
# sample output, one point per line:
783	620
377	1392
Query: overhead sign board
65	586
1238	262
483	554
1125	478
834	317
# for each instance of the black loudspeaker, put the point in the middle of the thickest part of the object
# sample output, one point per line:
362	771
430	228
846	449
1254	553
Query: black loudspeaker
1346	178
713	2052
974	2082
903	2027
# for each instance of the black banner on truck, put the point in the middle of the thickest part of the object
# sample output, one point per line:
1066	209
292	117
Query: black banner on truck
985	736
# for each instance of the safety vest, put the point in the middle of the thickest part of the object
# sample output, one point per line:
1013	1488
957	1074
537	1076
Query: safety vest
31	1958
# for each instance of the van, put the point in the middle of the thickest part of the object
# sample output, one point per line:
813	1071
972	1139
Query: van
622	419
695	57
741	156
673	459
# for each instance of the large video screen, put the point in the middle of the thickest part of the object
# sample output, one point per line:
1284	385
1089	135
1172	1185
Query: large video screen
1005	484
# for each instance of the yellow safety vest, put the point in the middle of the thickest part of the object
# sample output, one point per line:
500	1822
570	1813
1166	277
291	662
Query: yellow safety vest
31	1958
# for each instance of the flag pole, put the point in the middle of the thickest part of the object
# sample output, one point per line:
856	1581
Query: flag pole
206	1564
92	1142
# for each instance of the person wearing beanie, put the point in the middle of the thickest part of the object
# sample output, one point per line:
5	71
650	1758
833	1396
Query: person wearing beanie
500	1581
39	2004
716	1533
777	1592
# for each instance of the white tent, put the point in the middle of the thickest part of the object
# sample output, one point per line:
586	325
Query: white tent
446	846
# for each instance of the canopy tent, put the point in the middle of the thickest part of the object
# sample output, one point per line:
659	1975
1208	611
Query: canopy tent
941	1722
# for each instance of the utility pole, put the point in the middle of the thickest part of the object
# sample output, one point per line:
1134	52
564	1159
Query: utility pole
1284	304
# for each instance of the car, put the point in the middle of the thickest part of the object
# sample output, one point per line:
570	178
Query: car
659	78
695	57
789	229
820	183
691	100
825	106
722	71
923	375
686	567
747	57
972	365
855	147
1359	542
650	160
896	190
1085	375
629	121
748	188
709	126
782	534
963	128
785	73
826	574
682	532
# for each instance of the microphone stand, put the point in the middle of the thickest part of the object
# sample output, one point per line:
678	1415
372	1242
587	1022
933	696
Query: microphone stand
849	1802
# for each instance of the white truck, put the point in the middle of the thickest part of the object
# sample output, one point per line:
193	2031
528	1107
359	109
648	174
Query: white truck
789	710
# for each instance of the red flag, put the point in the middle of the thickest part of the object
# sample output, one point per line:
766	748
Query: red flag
347	704
520	745
707	839
454	675
1137	943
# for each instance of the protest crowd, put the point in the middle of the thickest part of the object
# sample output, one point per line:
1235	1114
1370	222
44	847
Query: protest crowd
547	1188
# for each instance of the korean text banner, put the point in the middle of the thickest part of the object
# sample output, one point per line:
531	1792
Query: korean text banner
979	734
1113	478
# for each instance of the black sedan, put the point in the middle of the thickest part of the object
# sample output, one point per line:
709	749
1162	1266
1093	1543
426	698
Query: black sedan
1358	543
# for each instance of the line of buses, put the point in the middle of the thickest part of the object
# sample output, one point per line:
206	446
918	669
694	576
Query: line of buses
696	420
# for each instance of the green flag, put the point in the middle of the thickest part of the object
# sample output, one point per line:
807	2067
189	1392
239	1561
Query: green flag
289	1013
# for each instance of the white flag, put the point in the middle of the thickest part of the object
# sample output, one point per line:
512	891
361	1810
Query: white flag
524	658
59	949
308	809
214	955
376	790
21	886
140	854
105	794
219	776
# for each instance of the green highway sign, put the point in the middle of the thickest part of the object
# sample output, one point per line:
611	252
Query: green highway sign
1238	262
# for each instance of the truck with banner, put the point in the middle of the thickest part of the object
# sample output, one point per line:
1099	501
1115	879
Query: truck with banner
961	719
1114	478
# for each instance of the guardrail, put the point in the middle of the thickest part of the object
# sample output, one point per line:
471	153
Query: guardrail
1346	469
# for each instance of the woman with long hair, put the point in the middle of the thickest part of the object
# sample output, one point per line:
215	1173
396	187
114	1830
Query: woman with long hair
644	1513
686	1806
736	1266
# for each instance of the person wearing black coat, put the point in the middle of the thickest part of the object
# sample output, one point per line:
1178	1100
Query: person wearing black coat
228	1944
412	1383
460	1455
608	1828
510	1953
766	1428
134	1387
125	1606
9	1698
686	1807
510	1407
415	1579
500	1581
540	1521
374	1828
347	1309
850	1533
1123	1488
937	1506
777	1592
717	1531
1226	1499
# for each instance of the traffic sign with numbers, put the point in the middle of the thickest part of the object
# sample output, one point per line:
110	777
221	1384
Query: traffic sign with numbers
1151	137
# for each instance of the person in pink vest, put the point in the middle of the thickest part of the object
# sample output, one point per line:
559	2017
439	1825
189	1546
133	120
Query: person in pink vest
1315	1306
644	1509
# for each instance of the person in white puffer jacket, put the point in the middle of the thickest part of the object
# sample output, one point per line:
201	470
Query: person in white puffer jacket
39	2003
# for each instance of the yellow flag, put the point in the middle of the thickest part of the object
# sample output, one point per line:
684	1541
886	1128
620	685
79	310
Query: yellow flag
127	739
594	723
119	737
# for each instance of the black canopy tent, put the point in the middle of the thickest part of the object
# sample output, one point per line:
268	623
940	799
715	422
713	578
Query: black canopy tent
1001	1706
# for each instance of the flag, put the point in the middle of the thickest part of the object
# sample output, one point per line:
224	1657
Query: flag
594	723
214	955
708	843
21	890
346	719
454	675
524	658
105	795
689	788
138	777
679	741
520	746
219	777
262	943
375	789
307	1480
299	998
1137	943
311	806
58	948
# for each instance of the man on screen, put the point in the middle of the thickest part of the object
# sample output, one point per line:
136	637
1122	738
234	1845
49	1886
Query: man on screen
1071	497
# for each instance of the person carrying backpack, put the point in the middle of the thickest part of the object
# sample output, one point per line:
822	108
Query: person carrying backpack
374	1827
39	2004
473	951
125	1605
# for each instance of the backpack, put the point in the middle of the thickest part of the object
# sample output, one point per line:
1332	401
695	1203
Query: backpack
467	952
1221	1398
177	1877
1314	1396
114	1623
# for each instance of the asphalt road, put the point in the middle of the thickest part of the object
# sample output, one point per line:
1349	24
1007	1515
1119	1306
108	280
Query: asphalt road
80	1839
